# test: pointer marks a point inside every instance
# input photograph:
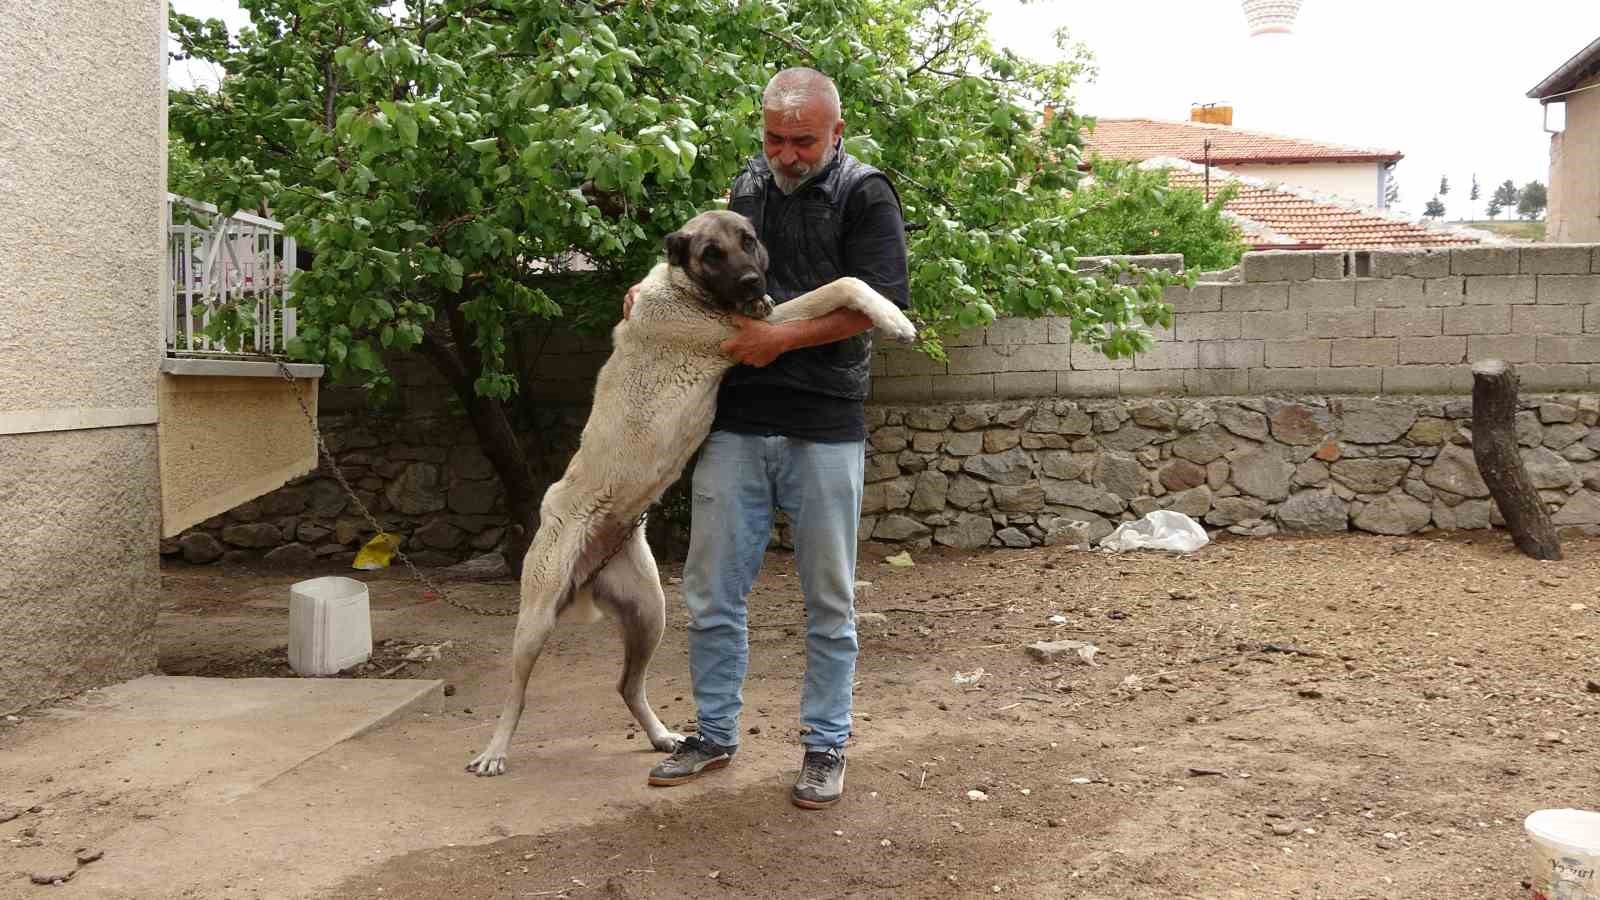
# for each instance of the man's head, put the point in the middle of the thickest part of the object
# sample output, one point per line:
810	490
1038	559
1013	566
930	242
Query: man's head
801	125
719	252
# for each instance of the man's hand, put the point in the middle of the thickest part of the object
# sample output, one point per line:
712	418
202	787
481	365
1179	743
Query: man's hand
755	343
628	298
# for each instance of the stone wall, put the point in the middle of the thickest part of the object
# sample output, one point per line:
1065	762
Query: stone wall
1012	474
1309	391
1018	474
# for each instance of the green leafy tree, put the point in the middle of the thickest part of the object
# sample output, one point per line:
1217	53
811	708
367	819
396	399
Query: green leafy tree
1434	209
1505	196
1134	210
1532	200
1494	208
1444	185
450	165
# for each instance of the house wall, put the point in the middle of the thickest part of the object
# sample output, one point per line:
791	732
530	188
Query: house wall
1323	391
82	192
1574	213
1353	181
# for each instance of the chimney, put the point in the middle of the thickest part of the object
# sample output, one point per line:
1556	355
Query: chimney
1211	114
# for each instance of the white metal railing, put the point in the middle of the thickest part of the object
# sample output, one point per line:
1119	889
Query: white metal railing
218	265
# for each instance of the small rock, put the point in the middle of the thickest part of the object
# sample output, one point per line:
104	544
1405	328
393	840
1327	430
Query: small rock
52	877
1116	615
1592	687
755	729
1080	781
1282	829
1063	651
1197	772
871	618
1552	737
1056	822
449	690
1389	841
977	796
1311	693
88	855
7	813
885	843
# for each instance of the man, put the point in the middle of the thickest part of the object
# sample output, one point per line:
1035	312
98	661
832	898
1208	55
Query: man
790	434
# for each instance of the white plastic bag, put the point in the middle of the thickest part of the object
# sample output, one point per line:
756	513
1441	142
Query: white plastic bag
1162	529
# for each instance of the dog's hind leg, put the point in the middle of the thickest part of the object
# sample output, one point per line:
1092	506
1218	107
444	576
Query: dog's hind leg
546	585
630	588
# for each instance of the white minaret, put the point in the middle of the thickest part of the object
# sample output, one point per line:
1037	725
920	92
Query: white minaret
1268	70
1271	16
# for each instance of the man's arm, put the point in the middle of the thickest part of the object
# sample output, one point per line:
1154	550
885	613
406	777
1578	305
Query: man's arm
874	251
757	343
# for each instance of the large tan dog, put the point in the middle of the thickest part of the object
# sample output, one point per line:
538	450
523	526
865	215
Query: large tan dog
653	407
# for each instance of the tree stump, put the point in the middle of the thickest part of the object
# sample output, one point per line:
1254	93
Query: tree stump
1494	447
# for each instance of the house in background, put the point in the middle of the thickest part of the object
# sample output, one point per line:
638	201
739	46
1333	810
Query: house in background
1574	211
115	428
1352	173
1279	217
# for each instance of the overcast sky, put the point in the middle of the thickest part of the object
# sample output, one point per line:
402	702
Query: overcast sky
1424	77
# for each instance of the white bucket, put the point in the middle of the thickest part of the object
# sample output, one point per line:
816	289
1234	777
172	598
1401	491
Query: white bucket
330	625
1566	854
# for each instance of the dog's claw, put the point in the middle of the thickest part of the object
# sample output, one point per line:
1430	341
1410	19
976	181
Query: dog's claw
668	742
486	766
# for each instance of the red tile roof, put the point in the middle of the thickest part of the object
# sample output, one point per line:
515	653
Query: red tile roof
1273	216
1141	139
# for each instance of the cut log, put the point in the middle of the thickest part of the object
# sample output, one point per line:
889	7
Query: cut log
1494	447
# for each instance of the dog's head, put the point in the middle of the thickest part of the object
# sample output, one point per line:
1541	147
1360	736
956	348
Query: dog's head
720	253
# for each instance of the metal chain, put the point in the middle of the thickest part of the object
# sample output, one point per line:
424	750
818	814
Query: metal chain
338	474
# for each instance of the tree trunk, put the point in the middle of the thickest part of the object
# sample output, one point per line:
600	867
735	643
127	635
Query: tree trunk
499	443
1494	447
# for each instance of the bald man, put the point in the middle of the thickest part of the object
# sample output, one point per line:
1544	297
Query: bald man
790	434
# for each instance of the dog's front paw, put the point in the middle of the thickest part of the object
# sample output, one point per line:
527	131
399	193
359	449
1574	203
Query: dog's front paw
667	741
898	328
488	764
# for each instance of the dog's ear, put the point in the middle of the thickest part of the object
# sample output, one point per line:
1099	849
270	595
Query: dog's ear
677	245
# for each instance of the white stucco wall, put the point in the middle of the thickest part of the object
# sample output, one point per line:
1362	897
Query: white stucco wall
1353	181
82	189
1574	213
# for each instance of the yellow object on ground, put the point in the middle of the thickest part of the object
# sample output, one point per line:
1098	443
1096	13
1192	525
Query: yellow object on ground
377	552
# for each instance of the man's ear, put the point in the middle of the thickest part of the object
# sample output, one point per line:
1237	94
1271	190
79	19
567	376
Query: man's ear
677	245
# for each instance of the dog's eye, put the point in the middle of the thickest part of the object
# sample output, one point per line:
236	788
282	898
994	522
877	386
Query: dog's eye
749	244
712	253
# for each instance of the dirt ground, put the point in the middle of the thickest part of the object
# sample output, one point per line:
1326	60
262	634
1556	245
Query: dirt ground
1349	717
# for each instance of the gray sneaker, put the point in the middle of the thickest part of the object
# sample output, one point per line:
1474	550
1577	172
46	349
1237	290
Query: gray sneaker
692	758
821	781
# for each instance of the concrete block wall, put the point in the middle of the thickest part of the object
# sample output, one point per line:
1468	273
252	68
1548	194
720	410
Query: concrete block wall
1298	322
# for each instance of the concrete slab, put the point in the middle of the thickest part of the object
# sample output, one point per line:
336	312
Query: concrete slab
203	739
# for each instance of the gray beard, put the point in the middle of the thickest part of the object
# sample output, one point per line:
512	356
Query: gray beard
789	184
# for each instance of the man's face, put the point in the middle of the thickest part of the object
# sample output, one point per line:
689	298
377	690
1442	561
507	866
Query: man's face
798	147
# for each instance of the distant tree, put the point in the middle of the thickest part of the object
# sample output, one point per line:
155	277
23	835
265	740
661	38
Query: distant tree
1444	185
1474	193
1506	195
1532	200
1434	209
1495	208
1391	191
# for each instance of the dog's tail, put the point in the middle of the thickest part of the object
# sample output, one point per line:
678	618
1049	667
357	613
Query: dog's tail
582	610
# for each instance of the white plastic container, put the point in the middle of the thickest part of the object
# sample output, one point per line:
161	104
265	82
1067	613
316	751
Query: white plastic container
330	625
1566	854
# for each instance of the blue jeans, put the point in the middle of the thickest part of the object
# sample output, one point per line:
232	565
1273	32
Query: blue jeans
738	481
